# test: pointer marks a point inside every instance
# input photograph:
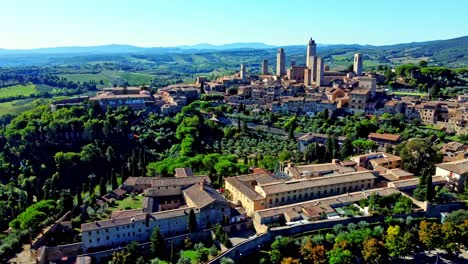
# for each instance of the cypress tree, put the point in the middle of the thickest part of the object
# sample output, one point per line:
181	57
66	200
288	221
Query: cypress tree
192	221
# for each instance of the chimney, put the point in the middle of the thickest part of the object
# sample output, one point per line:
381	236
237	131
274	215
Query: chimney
335	161
201	185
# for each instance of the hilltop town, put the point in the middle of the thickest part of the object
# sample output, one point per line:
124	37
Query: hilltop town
298	89
326	180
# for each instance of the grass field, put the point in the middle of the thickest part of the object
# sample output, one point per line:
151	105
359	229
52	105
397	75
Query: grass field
17	90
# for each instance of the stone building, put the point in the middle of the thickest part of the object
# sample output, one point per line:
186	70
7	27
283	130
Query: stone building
209	206
379	159
385	139
166	193
256	192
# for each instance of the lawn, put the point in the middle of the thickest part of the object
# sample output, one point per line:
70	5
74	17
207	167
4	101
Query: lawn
17	90
129	203
191	254
408	93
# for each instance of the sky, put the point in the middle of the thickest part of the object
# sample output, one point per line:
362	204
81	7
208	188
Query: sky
28	24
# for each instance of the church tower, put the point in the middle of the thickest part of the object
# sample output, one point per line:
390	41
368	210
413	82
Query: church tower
280	63
311	53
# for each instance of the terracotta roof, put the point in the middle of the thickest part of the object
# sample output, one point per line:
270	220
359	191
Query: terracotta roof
459	166
292	185
412	183
132	181
125	213
246	190
324	168
201	196
180	181
390	137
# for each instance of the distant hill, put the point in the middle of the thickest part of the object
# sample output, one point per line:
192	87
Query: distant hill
450	53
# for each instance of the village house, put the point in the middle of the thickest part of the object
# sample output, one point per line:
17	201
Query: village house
384	140
454	172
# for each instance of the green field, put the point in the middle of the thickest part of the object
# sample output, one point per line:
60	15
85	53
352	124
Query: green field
17	90
86	77
17	106
108	78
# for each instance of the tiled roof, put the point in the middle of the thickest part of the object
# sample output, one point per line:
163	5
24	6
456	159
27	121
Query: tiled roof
292	185
390	137
459	166
125	213
201	196
179	181
183	172
243	188
412	183
136	218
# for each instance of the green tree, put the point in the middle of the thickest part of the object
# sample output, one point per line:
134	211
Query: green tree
339	256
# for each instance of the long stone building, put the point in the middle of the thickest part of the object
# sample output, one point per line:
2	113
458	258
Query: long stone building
259	191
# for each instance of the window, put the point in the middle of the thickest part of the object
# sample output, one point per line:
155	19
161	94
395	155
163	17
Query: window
90	241
325	192
107	237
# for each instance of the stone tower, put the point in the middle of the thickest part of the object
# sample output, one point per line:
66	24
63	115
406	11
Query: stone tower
311	52
265	67
357	64
280	63
242	72
320	71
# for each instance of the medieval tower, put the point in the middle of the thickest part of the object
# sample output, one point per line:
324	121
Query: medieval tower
311	52
357	68
265	67
280	63
243	72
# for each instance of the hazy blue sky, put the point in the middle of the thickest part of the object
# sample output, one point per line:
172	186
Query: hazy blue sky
152	23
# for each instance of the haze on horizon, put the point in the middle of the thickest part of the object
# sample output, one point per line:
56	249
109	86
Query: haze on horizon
30	24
